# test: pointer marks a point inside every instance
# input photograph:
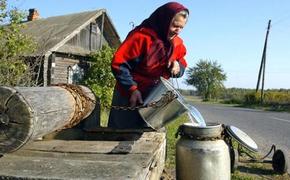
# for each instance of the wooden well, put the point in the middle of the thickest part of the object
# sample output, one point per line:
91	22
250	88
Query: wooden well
28	113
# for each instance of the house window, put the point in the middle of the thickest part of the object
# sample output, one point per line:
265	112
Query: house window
75	74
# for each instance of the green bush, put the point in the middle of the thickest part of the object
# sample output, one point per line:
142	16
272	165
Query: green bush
99	76
11	72
273	98
13	47
235	95
252	98
277	98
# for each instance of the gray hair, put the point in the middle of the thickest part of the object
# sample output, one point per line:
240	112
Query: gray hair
183	13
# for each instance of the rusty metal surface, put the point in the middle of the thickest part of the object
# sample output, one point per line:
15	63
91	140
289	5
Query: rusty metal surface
82	103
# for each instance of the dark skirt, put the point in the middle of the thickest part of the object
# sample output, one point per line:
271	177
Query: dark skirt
124	119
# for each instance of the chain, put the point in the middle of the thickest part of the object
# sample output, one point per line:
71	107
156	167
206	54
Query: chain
82	103
165	99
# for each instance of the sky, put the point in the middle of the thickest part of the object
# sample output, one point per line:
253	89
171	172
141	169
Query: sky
232	33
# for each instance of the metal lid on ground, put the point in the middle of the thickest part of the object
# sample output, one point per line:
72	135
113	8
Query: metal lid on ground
242	138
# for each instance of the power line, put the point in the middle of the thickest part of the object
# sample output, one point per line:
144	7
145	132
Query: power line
282	19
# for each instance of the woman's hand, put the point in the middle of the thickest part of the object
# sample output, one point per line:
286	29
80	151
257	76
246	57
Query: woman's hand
174	67
135	98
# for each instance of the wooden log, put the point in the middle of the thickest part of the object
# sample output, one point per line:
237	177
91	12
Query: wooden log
28	113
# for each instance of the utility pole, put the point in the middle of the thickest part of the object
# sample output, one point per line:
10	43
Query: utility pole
263	65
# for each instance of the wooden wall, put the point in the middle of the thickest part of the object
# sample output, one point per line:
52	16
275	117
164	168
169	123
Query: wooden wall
89	37
60	64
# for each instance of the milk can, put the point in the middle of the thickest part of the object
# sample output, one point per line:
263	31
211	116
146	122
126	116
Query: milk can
202	154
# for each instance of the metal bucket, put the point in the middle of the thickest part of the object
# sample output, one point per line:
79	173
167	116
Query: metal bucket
158	117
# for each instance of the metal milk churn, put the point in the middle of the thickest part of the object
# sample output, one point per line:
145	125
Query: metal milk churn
201	153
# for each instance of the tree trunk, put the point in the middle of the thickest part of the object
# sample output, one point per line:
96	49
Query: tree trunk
27	113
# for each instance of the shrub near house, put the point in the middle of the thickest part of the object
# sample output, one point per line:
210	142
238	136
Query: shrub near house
13	47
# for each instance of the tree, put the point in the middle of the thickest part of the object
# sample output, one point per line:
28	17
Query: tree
207	77
13	47
99	77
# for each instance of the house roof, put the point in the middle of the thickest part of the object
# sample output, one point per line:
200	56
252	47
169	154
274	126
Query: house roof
53	32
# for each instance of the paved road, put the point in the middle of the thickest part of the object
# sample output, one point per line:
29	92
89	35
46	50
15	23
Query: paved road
265	128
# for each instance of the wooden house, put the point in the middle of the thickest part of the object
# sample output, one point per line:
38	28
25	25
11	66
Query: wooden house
64	42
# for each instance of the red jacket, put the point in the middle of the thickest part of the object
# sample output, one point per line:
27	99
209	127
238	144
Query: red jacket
140	61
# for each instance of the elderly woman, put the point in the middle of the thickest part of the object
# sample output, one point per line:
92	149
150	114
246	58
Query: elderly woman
150	51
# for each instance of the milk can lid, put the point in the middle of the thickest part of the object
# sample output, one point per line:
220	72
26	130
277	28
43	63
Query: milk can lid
242	138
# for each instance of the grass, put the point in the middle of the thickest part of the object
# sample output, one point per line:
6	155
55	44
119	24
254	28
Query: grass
104	117
171	139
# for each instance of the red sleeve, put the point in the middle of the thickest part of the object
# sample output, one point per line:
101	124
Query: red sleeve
180	56
127	57
179	51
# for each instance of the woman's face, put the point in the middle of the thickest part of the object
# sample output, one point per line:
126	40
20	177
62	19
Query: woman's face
177	24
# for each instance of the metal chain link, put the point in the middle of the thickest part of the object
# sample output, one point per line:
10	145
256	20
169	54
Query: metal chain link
164	100
82	104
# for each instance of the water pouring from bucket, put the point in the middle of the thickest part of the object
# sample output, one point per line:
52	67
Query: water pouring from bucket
158	117
195	116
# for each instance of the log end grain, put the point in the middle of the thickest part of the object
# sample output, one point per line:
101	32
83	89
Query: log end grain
16	120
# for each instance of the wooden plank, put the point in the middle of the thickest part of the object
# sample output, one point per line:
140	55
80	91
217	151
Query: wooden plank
35	162
63	61
75	156
72	146
155	169
60	80
60	72
147	143
31	167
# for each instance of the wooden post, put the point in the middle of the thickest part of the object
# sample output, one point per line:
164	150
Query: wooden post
28	113
263	62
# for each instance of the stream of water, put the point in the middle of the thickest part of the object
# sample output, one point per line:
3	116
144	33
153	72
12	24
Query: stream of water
195	116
